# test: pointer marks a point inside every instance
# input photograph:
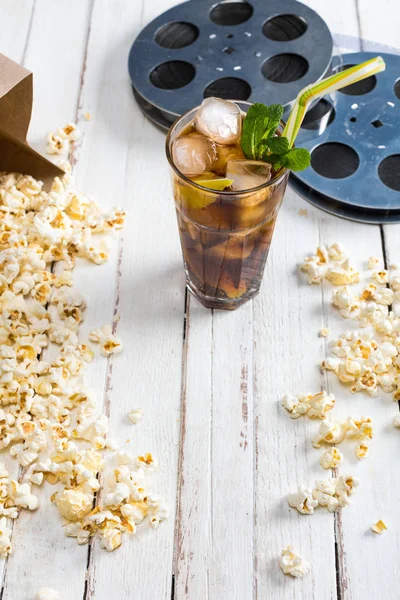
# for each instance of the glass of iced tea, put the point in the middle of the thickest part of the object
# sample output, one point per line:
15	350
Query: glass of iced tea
226	205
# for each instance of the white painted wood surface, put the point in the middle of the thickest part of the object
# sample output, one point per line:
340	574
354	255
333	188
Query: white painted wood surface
228	454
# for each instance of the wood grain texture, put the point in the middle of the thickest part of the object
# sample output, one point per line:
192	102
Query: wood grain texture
215	517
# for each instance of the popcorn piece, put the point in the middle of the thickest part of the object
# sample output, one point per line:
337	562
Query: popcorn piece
47	594
381	277
345	487
324	494
362	450
373	262
100	334
56	144
147	461
396	421
69	132
379	527
5	538
361	429
73	504
136	415
88	116
331	458
111	345
324	332
320	404
303	501
315	406
292	564
296	405
330	432
343	274
337	252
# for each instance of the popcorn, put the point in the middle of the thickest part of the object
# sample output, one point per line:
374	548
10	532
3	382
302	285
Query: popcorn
331	458
126	504
337	252
111	345
136	415
330	432
47	594
73	504
396	421
292	564
147	462
100	334
315	406
69	132
59	141
5	538
320	404
303	501
361	450
379	527
48	419
381	277
329	493
366	360
324	332
56	144
343	274
324	494
345	486
373	261
361	429
295	405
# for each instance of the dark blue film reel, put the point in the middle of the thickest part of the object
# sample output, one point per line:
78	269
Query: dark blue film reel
355	161
256	50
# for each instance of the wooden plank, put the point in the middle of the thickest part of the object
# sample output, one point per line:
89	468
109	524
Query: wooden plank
379	25
215	516
380	487
57	66
148	292
287	318
16	19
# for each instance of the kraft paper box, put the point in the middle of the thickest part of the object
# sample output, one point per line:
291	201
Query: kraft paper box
16	96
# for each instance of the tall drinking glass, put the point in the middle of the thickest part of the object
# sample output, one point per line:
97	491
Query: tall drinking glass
225	235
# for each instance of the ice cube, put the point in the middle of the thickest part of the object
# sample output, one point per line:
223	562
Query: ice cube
219	120
248	174
193	155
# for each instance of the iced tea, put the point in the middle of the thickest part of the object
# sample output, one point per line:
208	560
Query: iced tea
225	233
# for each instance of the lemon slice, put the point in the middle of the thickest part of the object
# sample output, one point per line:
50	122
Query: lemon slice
214	184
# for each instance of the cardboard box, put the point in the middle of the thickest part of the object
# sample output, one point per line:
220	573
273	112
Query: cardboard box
16	96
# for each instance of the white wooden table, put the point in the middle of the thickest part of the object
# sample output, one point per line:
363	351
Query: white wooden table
209	382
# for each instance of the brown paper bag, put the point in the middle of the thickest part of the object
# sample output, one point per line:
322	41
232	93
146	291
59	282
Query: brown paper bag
16	95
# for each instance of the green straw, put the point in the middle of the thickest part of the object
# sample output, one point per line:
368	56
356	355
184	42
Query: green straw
326	86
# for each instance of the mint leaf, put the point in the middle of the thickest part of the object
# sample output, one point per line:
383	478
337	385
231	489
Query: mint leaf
275	160
259	124
278	145
275	115
296	159
259	142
